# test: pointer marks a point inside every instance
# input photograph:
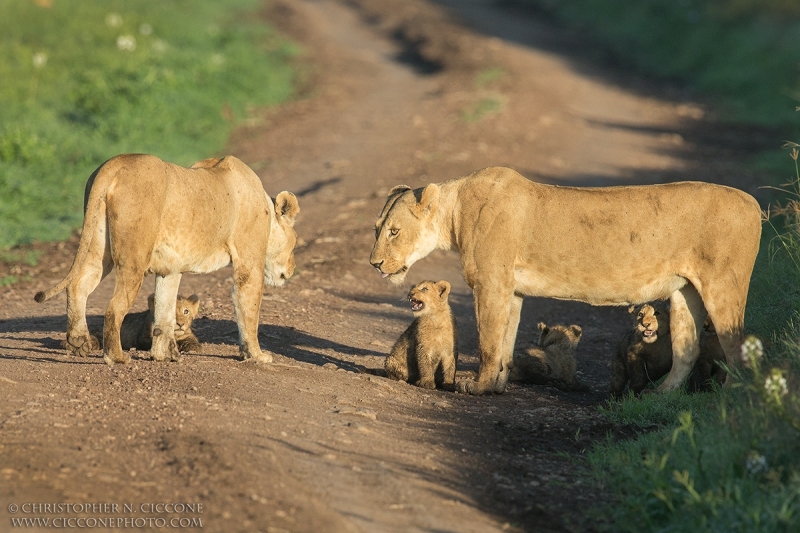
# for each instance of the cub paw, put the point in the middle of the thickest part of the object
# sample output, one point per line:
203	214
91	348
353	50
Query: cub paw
426	384
189	346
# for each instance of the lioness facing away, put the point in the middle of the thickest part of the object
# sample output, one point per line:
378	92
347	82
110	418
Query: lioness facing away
552	362
427	352
145	216
520	238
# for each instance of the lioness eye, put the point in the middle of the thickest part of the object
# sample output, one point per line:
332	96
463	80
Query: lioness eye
394	232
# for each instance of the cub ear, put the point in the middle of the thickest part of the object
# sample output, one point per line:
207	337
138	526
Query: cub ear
151	302
194	303
631	309
576	330
444	289
286	206
429	199
543	331
398	189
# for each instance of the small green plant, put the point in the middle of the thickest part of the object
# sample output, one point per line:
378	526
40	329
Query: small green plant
481	108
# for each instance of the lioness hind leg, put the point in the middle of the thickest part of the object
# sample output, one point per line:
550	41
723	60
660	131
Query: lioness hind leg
97	265
127	286
686	317
164	345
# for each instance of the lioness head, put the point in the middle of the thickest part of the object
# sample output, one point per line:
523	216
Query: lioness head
428	297
652	320
405	231
282	240
569	336
185	311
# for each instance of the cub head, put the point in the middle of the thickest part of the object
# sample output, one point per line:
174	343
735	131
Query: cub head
185	312
282	239
567	336
428	297
651	320
405	231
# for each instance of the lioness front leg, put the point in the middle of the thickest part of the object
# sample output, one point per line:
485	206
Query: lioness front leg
493	312
247	289
164	345
686	318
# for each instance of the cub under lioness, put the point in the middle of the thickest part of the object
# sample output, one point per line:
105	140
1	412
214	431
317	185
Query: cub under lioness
552	362
426	353
644	354
137	328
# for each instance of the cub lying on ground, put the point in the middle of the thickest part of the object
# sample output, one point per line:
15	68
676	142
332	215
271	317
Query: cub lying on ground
644	354
426	353
137	328
552	362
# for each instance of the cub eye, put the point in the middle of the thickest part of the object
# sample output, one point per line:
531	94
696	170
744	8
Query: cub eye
185	311
641	315
656	313
424	289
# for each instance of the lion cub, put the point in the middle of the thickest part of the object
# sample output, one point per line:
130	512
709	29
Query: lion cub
552	362
426	353
137	328
644	354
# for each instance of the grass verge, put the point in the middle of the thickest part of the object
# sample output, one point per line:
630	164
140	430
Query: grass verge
83	81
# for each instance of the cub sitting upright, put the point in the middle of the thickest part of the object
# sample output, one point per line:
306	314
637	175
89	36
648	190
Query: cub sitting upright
426	353
644	354
552	362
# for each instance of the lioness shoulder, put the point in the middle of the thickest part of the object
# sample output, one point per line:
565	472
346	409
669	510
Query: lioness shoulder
552	362
427	352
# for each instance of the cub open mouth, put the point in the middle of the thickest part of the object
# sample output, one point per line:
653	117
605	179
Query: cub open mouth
649	333
416	305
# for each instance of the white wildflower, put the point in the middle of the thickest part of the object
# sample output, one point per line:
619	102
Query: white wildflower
160	46
126	42
775	384
39	59
146	29
113	20
217	59
752	349
755	463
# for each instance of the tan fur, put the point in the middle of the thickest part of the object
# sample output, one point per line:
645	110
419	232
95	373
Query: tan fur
426	353
143	215
641	360
520	238
552	362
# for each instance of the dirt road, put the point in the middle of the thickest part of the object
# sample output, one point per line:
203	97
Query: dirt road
394	91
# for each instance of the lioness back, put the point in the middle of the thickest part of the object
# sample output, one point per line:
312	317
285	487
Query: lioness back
427	351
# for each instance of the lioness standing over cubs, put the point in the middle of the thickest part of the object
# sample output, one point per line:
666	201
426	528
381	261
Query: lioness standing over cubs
143	215
520	238
427	352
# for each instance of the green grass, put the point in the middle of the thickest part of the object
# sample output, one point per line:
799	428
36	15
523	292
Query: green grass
743	53
84	81
728	460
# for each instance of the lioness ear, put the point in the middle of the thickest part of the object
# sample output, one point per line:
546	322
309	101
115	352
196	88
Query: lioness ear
444	289
397	189
429	199
576	330
286	206
151	302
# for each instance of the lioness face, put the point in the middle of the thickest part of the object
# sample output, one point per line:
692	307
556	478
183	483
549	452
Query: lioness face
282	240
405	231
652	321
428	297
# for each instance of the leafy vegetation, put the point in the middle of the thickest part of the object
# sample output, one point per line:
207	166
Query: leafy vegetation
83	81
742	52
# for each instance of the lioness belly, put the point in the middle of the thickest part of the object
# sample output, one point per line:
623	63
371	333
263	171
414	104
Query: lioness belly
612	291
166	260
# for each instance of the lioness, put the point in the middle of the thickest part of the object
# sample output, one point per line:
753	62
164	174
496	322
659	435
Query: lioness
143	215
644	353
552	362
426	353
520	238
